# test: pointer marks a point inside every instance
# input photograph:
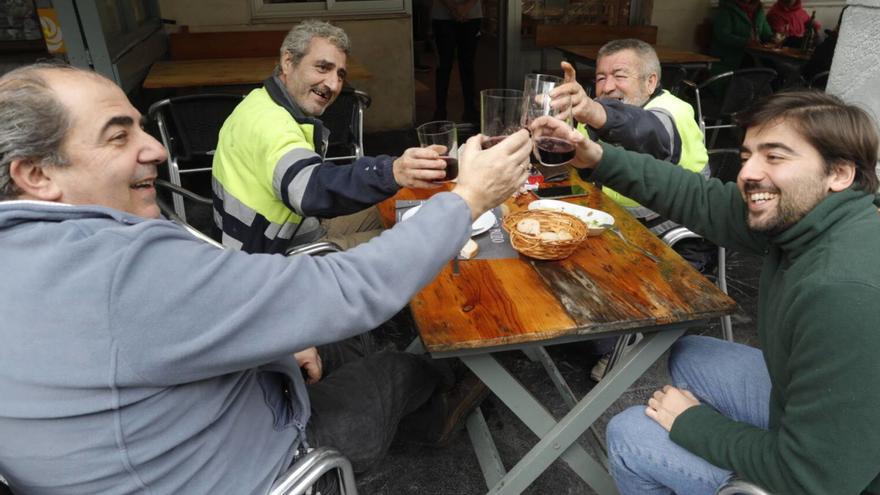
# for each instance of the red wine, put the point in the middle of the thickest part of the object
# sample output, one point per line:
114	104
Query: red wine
492	141
451	167
554	151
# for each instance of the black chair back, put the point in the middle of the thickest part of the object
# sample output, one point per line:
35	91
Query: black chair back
196	121
344	120
671	77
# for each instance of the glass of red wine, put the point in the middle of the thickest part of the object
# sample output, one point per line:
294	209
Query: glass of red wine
551	151
501	114
444	133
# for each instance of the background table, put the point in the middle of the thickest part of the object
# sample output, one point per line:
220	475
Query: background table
691	60
606	288
224	72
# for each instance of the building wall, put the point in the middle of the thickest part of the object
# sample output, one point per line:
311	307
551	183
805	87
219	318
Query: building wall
382	45
677	19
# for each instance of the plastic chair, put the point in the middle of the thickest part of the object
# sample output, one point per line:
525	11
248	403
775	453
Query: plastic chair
738	89
345	121
300	476
739	487
189	127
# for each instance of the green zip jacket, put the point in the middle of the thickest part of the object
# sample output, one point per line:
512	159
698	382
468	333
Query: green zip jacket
818	326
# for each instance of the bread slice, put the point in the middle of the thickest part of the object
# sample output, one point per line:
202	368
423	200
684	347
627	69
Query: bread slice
469	250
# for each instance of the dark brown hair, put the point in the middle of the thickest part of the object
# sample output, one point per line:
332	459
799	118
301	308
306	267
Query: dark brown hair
840	132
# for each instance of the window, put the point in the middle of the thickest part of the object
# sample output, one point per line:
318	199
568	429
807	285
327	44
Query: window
266	10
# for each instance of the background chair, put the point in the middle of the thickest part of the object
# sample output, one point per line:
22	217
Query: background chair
345	120
819	80
737	89
189	127
672	77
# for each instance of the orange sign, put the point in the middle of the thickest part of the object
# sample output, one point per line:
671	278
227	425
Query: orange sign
51	31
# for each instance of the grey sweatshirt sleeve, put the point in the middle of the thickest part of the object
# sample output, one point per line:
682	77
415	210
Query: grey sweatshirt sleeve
211	311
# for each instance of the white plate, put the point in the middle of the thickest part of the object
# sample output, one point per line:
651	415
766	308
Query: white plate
485	222
595	219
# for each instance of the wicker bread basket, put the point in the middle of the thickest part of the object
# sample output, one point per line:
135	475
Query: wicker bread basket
533	246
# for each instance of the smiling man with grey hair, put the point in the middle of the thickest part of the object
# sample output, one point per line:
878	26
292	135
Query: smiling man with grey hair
138	359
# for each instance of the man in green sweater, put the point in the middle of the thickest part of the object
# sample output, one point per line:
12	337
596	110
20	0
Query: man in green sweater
800	415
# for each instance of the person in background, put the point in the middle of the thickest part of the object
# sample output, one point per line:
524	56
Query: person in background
270	182
737	24
788	18
139	359
798	415
456	25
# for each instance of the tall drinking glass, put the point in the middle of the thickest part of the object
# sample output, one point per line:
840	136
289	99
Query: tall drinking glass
551	151
501	112
444	133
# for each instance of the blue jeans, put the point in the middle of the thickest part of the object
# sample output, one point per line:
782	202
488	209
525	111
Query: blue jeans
732	378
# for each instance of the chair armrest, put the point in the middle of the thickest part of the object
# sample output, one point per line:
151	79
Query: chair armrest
306	471
186	193
739	487
313	249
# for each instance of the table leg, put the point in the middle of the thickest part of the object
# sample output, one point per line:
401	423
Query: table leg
558	438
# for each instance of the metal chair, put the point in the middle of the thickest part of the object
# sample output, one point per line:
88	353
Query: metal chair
738	90
672	77
189	127
345	121
737	486
307	470
300	476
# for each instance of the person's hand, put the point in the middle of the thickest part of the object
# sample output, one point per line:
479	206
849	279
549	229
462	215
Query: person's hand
487	177
583	108
666	404
310	361
420	167
461	11
586	152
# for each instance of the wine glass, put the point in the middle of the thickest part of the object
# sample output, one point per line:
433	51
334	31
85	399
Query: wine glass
551	151
444	133
501	114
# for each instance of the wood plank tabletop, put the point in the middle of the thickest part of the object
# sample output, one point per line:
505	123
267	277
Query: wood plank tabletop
665	55
605	286
224	72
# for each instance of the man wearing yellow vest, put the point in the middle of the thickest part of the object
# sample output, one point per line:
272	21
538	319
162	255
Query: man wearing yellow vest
270	180
632	111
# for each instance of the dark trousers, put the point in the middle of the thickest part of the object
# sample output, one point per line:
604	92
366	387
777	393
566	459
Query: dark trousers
362	396
452	37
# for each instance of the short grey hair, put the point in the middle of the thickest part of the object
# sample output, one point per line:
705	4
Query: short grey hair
645	52
33	122
300	37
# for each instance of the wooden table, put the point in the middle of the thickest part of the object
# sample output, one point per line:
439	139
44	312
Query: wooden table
224	72
606	288
589	53
779	53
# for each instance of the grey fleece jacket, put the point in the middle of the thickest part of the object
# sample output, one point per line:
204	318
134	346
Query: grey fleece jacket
135	359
